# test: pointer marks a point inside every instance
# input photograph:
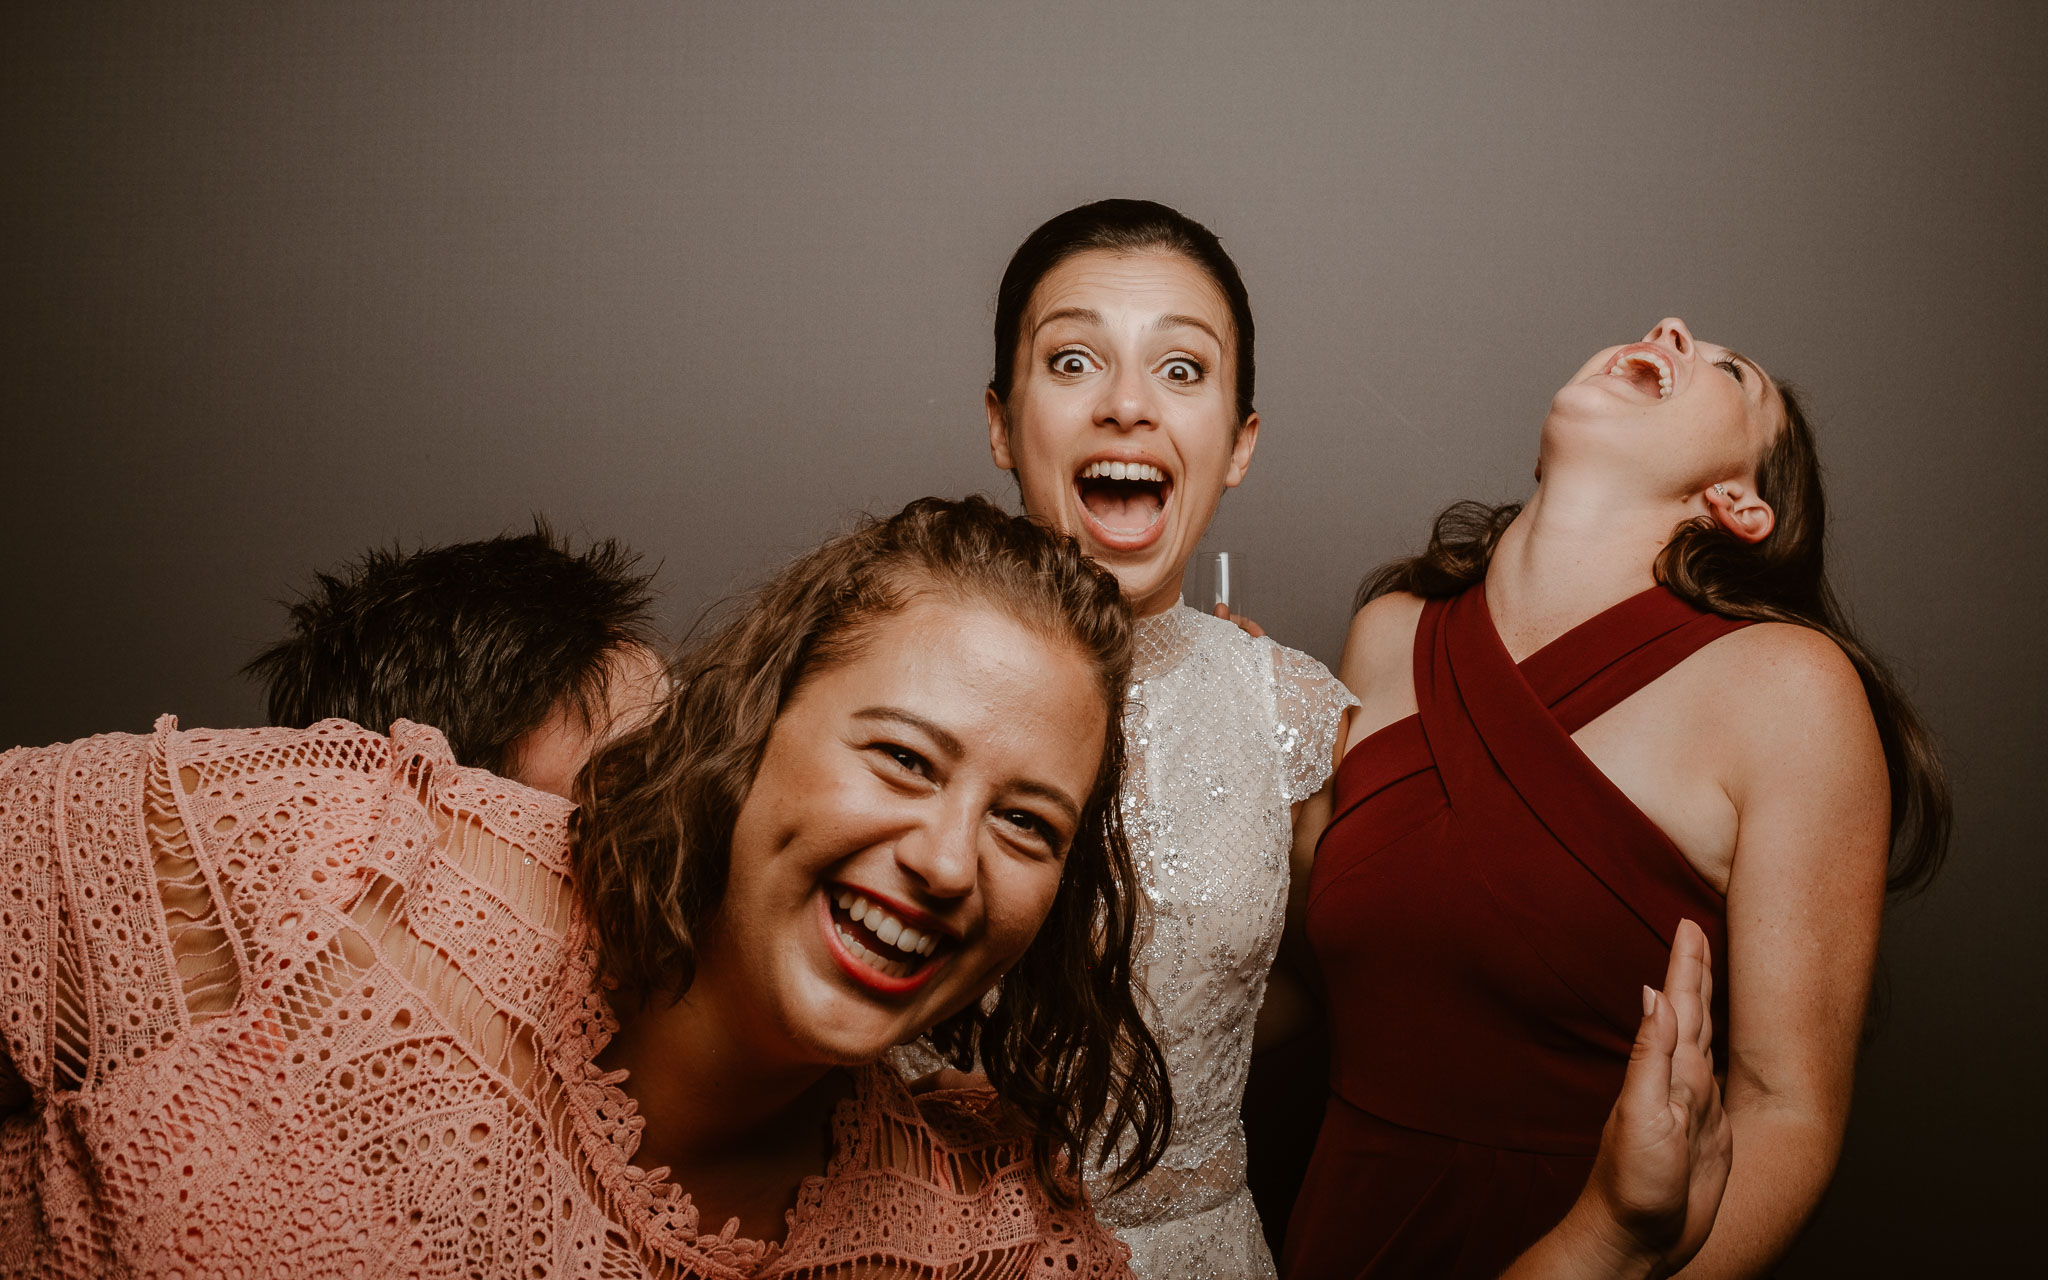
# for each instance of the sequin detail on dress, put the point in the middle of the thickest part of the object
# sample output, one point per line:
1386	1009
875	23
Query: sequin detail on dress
1227	732
317	1003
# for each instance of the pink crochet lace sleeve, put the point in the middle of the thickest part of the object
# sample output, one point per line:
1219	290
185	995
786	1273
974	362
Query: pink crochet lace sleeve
319	1003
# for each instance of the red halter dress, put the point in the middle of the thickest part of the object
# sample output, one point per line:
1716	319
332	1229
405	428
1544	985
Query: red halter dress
1486	907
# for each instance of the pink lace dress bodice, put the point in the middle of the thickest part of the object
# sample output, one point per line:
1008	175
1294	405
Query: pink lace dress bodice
318	1003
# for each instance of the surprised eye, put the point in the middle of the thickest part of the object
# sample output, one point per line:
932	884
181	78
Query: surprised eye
1734	369
1072	362
1182	370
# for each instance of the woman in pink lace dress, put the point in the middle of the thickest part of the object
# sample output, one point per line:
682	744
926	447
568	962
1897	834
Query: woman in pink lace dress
322	1002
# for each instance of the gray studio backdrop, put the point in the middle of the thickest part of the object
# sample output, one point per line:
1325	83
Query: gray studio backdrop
285	281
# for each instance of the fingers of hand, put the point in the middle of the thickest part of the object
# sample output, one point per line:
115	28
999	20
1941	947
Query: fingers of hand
1688	982
1706	1034
1646	1086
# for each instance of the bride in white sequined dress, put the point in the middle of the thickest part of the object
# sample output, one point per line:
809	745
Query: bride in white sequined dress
1122	402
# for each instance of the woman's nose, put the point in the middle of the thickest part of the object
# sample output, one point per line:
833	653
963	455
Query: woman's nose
941	857
1126	401
1672	330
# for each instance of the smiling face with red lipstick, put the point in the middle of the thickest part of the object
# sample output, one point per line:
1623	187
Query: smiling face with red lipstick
905	833
881	783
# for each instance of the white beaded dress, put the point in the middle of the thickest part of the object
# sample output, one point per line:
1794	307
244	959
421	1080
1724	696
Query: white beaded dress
1227	732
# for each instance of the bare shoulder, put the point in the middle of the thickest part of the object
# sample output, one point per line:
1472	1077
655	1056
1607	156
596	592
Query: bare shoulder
1779	669
1378	665
1792	711
1381	639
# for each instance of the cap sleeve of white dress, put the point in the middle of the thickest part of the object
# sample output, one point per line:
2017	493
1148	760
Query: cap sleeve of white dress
1309	705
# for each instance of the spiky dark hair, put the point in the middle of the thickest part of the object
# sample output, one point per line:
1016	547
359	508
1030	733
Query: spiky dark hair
482	640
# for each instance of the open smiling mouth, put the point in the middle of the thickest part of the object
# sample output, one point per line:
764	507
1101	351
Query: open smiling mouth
1124	500
876	948
1645	369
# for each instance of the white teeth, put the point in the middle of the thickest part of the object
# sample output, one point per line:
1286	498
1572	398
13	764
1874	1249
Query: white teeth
1123	471
891	968
879	925
1653	361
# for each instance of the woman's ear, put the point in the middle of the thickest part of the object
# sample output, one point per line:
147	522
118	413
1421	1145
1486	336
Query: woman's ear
1740	511
998	430
1241	452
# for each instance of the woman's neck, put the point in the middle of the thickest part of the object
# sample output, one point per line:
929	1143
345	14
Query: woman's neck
1568	556
737	1130
1160	599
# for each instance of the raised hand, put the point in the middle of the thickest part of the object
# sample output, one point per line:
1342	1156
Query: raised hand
1665	1152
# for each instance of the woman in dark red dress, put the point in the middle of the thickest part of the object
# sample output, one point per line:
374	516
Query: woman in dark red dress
1628	702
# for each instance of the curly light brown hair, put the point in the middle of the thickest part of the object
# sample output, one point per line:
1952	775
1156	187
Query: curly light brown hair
1063	1041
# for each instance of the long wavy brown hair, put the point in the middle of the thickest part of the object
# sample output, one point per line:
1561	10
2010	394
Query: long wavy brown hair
1781	578
1063	1041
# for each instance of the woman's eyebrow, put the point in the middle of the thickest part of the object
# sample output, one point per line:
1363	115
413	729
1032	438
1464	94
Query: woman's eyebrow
1171	322
944	740
1045	791
1085	315
1762	379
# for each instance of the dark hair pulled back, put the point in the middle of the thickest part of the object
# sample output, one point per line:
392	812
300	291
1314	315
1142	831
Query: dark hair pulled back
1064	1042
1781	578
1119	226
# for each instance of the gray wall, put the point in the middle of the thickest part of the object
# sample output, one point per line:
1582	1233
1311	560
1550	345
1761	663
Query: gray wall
284	281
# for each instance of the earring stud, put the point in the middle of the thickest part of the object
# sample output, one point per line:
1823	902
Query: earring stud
1721	489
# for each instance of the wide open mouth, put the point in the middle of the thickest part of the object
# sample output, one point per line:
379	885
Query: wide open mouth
1644	368
878	947
1124	499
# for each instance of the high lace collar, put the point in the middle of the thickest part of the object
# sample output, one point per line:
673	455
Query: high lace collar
1163	641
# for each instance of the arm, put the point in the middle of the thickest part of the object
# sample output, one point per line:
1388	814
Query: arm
1320	709
1805	896
1375	667
1665	1152
1294	997
32	997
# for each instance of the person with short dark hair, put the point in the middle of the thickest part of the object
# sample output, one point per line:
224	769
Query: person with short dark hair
524	653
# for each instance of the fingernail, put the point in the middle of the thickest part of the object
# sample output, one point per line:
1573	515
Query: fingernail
1649	1002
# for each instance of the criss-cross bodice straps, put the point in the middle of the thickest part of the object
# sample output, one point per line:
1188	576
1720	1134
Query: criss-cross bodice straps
1596	666
1491	721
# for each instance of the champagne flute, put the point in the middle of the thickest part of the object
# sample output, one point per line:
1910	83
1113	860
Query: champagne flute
1219	579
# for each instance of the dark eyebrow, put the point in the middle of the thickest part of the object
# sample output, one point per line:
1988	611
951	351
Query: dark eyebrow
949	744
1168	322
946	741
1084	314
